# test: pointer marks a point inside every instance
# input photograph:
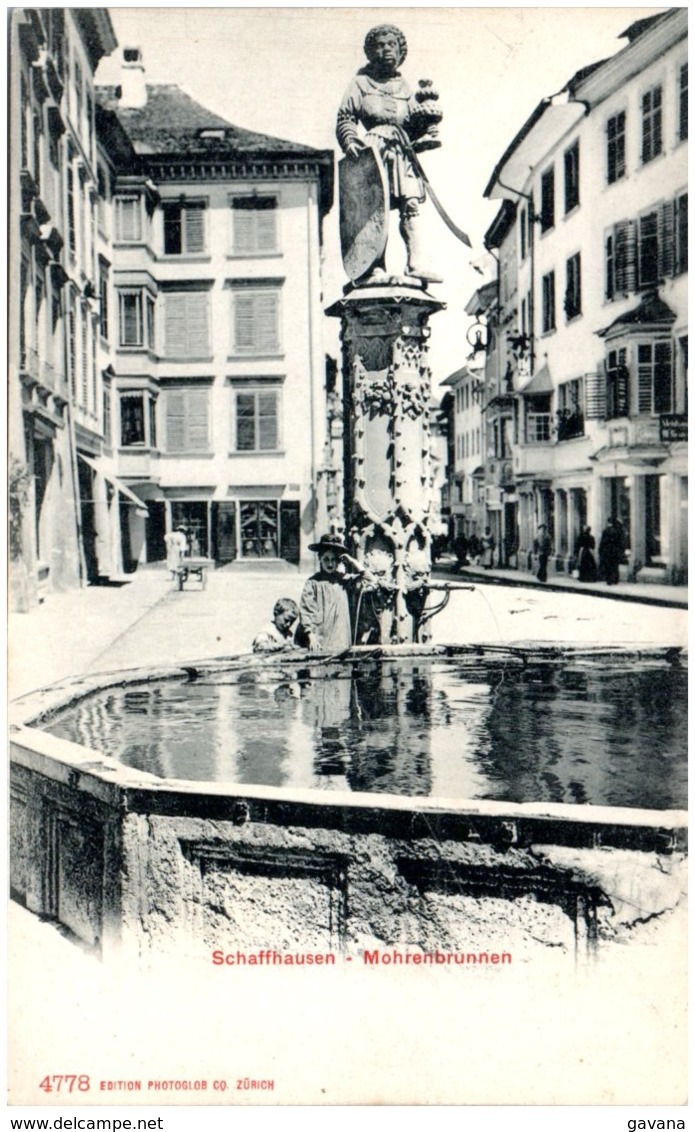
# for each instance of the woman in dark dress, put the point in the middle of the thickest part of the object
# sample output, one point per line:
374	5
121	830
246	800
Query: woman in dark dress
584	551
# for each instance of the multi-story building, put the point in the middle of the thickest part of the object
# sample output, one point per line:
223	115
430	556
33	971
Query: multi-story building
598	176
466	492
217	413
54	383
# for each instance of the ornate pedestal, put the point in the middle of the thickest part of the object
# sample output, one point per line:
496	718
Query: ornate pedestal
387	455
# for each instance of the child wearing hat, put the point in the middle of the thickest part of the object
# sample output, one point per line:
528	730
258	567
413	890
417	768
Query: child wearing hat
324	608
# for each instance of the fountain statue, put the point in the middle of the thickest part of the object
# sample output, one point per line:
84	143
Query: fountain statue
381	127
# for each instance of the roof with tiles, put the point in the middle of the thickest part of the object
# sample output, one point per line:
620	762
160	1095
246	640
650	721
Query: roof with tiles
171	124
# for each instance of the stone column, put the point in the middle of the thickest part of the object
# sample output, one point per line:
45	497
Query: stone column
388	479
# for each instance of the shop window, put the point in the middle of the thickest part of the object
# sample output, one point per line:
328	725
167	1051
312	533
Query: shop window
259	529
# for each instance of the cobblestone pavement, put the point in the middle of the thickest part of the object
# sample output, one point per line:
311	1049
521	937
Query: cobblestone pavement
147	621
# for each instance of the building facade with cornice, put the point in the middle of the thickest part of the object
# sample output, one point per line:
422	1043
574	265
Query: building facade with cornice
597	356
217	401
53	376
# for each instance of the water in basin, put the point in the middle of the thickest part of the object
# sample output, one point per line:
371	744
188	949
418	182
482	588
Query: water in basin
566	730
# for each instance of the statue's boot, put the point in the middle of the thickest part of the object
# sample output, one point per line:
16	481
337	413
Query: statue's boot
411	233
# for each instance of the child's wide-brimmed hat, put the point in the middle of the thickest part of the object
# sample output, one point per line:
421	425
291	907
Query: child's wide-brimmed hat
328	542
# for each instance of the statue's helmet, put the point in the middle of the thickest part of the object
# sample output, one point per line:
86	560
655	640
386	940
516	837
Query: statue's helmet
382	29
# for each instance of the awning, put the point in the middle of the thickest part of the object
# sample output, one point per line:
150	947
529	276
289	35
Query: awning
541	382
118	485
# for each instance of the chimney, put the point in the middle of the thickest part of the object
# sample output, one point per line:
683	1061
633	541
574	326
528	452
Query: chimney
133	90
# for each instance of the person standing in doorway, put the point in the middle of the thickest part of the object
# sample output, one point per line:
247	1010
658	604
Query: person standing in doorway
543	549
488	549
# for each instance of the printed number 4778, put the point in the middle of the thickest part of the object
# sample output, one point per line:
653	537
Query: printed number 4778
65	1083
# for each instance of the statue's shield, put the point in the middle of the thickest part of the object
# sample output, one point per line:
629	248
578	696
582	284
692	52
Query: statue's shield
364	213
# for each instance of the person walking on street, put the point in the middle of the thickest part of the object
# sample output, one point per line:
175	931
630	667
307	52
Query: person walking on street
176	546
543	548
584	552
611	549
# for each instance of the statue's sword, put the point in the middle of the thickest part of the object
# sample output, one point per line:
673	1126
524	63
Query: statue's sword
460	235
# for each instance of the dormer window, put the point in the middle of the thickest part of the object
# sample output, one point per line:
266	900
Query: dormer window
217	133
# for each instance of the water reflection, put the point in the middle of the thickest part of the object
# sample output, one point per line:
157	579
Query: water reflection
535	732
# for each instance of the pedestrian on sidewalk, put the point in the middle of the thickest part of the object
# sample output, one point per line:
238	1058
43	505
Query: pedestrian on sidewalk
611	549
278	634
324	606
584	553
475	548
461	549
487	549
543	547
176	546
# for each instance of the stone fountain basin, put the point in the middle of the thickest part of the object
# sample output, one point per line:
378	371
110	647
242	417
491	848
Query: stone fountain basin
132	865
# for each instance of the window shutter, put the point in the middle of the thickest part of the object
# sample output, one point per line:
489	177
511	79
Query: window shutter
663	378
625	245
644	379
666	240
595	396
195	228
243	321
176	420
243	231
197	413
197	331
267	338
175	325
266	219
289	530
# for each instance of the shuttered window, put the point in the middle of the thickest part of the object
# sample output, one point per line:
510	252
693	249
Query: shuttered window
184	227
654	378
128	219
651	124
595	396
648	258
256	420
683	103
547	200
680	234
186	324
548	283
572	177
187	420
573	288
621	250
254	225
255	321
617	385
615	141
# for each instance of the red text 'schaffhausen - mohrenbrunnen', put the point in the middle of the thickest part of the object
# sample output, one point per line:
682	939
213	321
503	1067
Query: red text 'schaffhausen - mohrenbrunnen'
369	958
